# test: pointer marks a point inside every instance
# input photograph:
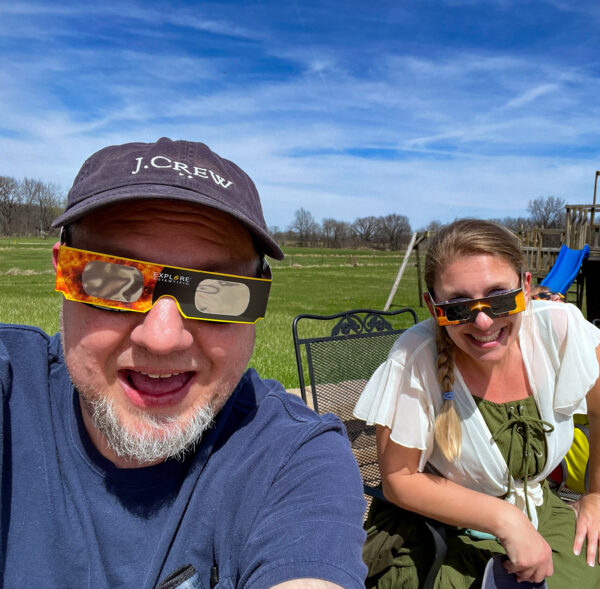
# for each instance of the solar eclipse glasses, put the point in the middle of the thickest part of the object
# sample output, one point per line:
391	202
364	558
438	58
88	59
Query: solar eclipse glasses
131	285
466	310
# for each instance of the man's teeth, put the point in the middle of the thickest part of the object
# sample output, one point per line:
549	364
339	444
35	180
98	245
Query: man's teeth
160	375
487	338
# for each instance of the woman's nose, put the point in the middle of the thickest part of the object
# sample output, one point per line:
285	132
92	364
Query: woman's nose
483	321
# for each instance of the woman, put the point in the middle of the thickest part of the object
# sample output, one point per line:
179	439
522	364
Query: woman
485	388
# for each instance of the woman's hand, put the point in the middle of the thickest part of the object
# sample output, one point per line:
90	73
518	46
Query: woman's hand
588	507
588	525
529	555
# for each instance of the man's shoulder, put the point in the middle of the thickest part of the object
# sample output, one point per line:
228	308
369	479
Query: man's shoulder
23	333
21	340
267	399
264	420
26	354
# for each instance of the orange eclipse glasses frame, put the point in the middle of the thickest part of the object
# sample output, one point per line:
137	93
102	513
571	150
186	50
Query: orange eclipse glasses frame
124	284
465	311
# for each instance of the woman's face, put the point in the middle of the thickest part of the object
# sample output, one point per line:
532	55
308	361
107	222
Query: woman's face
487	339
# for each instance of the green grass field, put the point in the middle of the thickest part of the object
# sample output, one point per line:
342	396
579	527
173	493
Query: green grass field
320	281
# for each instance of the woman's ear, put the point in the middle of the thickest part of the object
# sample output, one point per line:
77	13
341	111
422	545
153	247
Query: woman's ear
55	249
527	286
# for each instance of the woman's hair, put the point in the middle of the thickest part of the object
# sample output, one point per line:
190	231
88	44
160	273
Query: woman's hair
466	237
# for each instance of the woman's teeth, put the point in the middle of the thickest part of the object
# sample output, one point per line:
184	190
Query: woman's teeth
487	338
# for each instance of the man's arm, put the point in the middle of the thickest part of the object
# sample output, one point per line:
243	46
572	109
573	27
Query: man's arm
307	584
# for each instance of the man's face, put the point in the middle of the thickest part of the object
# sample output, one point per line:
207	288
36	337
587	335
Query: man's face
155	378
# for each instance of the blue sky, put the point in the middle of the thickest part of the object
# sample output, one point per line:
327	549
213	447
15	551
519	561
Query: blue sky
430	109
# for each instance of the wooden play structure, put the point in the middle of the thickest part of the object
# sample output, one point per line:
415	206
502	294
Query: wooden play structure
541	247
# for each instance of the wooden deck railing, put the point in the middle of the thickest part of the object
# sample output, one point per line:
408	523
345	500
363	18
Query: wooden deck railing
539	260
541	245
583	226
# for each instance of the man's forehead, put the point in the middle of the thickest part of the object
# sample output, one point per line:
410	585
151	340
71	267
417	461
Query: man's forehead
155	207
177	214
180	224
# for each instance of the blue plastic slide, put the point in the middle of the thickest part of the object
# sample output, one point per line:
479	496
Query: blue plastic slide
565	269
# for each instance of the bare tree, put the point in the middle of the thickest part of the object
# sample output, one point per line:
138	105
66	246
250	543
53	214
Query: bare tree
42	202
28	207
48	200
547	211
394	230
9	201
365	228
30	193
514	223
328	231
342	233
434	226
278	234
305	227
335	233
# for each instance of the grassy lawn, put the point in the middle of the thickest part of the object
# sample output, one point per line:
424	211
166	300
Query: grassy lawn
319	281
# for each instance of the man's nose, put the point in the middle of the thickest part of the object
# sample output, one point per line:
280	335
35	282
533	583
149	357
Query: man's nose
163	329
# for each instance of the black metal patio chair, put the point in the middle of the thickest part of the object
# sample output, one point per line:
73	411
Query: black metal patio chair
335	356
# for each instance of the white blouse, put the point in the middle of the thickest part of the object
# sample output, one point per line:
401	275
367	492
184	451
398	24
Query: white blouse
404	394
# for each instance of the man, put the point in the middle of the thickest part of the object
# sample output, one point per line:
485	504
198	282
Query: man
136	450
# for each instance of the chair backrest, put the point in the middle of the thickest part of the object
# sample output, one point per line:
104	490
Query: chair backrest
336	355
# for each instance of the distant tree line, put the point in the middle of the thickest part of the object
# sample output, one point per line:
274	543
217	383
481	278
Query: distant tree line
386	232
392	232
28	207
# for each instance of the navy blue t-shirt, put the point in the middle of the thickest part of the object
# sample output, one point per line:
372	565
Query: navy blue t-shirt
271	493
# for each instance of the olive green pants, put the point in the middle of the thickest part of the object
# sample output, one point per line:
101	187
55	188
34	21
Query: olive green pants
398	550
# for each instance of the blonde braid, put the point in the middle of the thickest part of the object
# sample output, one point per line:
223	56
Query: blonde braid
462	238
448	433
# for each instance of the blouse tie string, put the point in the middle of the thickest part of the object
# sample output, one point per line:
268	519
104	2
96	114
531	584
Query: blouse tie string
517	421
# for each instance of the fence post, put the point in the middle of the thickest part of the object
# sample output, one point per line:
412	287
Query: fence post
401	271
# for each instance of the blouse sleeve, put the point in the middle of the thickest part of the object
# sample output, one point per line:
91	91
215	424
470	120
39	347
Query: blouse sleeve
398	393
571	343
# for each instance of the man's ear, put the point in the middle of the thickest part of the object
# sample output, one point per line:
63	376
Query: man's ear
427	299
55	249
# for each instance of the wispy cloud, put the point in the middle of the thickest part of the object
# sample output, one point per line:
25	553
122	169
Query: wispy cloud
408	109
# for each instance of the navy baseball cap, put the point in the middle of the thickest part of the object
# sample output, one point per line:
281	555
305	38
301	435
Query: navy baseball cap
175	170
